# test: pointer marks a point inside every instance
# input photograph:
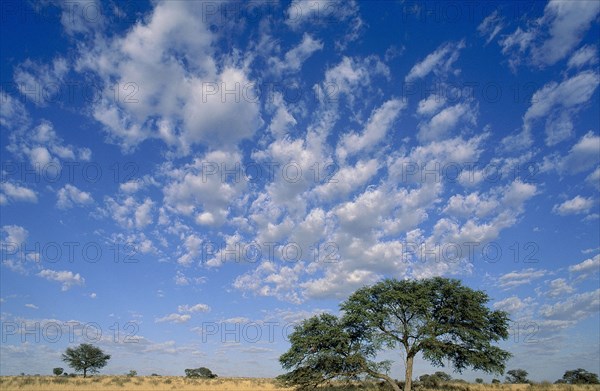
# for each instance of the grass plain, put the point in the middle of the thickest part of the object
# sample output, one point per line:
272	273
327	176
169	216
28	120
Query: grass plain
167	383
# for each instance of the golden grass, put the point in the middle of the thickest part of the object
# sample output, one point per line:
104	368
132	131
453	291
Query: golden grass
137	383
167	383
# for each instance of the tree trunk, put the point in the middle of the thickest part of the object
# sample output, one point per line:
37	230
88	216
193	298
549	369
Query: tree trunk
84	372
409	370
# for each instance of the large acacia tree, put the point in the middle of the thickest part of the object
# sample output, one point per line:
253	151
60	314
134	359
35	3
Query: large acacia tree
438	317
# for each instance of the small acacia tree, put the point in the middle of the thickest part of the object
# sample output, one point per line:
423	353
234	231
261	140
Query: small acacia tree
325	348
86	358
200	372
517	376
438	317
580	376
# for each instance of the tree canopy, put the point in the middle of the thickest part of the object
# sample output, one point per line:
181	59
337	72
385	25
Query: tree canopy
580	376
86	358
437	317
517	376
200	372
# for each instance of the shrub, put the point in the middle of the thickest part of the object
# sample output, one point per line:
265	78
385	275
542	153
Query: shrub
57	371
201	372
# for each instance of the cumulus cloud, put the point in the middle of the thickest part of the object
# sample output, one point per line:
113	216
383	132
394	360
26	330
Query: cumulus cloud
70	196
66	278
576	205
128	212
11	192
188	104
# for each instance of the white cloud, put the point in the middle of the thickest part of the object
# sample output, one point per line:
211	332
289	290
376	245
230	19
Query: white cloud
431	105
15	235
271	279
16	193
576	307
518	278
67	278
44	148
559	287
350	77
379	124
282	120
584	56
173	318
143	213
293	59
491	26
554	35
348	179
70	196
13	114
325	12
582	156
439	62
560	102
440	125
576	205
41	79
192	245
194	308
472	204
128	212
181	279
567	23
591	265
32	306
93	295
187	105
202	190
510	304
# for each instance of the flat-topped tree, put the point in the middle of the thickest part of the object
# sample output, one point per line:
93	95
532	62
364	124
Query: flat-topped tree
437	317
85	358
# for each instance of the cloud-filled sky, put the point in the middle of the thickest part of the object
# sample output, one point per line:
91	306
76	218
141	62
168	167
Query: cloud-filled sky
183	181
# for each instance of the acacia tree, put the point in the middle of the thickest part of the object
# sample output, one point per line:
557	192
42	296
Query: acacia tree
437	317
517	376
324	348
85	358
580	376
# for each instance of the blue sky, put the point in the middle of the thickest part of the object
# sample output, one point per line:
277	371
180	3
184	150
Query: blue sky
183	181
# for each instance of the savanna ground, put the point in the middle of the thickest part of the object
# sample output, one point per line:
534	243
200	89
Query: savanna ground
164	383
